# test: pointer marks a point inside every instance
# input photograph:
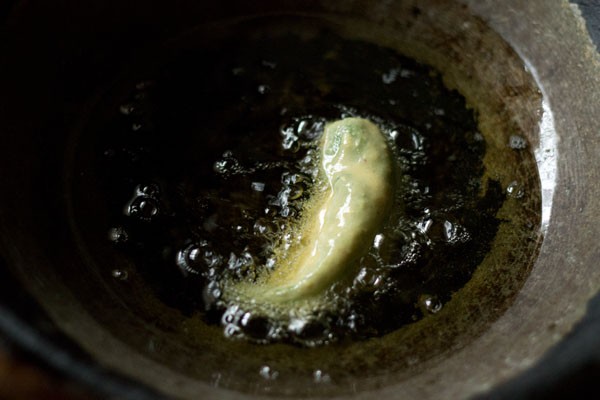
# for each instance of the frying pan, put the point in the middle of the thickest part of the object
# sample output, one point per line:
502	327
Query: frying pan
526	67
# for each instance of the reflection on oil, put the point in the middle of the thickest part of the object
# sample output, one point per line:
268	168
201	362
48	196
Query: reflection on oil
546	157
546	152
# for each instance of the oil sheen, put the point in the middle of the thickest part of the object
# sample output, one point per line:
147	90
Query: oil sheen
210	159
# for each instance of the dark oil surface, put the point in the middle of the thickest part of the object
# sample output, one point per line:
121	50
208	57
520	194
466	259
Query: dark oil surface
207	160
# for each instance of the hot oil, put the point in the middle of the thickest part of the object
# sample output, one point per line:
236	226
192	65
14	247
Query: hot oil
207	162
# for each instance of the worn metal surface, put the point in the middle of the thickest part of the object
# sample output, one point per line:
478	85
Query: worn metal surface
547	35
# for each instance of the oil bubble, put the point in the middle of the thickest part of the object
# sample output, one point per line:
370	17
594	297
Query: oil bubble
309	158
212	258
150	189
190	259
239	229
255	327
517	142
258	186
310	128
430	304
263	89
270	211
231	330
378	240
127	109
296	191
265	227
143	207
321	377
308	330
407	138
515	190
390	76
455	233
232	315
367	280
289	137
120	274
226	165
424	225
288	212
211	294
296	325
295	147
268	373
288	178
241	262
353	321
118	235
260	227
